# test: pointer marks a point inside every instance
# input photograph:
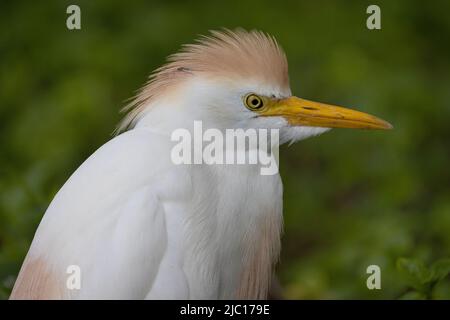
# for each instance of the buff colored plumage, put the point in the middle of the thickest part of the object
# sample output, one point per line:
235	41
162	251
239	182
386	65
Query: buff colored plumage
238	55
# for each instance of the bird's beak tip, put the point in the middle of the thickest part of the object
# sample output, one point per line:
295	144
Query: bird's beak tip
388	127
381	124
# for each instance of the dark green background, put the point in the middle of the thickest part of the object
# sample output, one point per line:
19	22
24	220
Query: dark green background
352	198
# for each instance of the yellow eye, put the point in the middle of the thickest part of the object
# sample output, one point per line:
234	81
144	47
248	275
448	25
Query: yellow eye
253	102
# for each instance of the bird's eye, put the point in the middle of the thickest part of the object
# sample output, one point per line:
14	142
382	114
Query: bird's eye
253	102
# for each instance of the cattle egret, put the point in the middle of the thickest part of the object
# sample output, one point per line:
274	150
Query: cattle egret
131	224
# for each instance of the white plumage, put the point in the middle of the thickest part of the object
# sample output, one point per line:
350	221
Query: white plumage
139	226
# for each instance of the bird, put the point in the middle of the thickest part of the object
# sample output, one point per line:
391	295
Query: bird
135	225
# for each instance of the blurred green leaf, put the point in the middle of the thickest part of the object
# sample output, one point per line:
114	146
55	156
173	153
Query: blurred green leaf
440	269
416	274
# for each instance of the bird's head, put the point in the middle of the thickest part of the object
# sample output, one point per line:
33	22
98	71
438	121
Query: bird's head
235	79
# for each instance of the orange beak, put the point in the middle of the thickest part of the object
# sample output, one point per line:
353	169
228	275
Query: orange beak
301	112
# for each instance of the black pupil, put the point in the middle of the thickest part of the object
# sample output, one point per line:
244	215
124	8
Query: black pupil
255	102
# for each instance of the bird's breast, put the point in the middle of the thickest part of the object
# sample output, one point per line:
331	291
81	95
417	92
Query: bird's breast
228	233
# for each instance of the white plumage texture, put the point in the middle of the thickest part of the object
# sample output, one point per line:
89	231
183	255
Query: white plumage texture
164	233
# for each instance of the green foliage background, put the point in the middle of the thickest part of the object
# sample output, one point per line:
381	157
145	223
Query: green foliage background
352	198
